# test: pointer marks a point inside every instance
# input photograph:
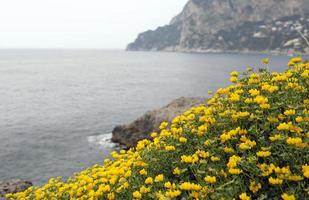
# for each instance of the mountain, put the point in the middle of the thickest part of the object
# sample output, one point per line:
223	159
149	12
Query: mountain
279	26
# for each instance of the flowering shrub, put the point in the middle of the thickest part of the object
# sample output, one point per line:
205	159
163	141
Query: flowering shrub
249	142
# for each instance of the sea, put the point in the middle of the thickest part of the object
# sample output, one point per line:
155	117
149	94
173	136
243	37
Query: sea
58	107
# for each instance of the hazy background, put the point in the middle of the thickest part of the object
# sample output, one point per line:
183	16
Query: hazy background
80	23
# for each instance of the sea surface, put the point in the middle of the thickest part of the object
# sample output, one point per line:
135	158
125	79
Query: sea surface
58	107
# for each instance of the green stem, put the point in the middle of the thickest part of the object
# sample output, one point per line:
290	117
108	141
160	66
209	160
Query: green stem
228	183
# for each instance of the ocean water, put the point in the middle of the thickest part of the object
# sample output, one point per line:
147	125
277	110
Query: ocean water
58	107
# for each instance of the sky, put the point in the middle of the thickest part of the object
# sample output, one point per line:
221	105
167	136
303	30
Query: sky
81	23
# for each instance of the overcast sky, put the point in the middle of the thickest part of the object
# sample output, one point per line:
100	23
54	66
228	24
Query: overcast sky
80	23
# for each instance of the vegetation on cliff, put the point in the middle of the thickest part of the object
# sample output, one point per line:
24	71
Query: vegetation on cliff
250	142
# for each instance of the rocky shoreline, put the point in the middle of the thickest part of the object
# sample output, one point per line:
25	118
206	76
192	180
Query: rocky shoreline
13	186
129	134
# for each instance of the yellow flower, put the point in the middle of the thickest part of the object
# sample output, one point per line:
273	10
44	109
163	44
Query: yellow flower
194	195
137	195
254	92
233	79
279	78
163	125
153	134
111	196
189	159
305	74
283	127
285	196
266	169
296	60
170	148
159	178
168	184
289	112
214	158
234	171
201	130
294	141
275	181
255	187
265	61
234	97
263	154
207	142
173	193
305	169
234	73
189	186
149	181
143	172
233	160
275	137
210	179
260	100
270	88
165	133
191	117
225	137
254	79
202	154
244	196
283	170
182	140
228	150
144	189
265	106
247	144
248	100
299	119
176	171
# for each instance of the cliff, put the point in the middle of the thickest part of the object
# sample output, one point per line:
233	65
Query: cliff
232	26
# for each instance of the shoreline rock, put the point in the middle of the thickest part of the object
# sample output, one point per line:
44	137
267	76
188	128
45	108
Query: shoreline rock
129	134
13	186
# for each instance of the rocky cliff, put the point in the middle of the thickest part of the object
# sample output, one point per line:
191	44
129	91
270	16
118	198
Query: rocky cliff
233	26
141	128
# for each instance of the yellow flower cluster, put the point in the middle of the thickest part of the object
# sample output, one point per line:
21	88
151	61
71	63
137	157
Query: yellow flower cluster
263	153
255	187
250	141
244	196
189	186
210	179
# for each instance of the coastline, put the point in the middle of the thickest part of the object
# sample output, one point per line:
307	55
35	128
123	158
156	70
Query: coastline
216	51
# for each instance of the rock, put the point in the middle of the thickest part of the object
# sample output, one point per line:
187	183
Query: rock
13	186
231	26
141	128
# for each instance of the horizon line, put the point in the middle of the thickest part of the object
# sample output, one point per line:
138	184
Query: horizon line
59	48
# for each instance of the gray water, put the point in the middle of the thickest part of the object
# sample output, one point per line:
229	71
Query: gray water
53	103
